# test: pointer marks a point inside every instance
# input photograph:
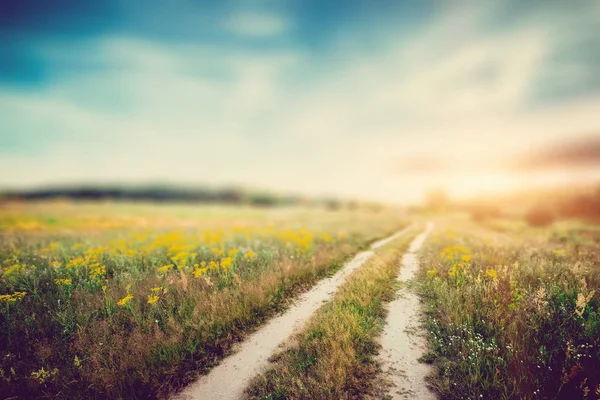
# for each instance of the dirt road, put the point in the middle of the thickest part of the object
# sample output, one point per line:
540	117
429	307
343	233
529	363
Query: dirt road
228	380
402	343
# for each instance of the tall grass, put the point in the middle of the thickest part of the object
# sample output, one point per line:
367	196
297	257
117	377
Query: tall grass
333	357
513	317
135	314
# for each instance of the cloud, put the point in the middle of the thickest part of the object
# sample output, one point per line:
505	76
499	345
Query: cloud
581	152
257	24
450	94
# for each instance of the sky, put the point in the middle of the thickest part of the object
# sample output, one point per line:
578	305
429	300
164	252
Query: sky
370	99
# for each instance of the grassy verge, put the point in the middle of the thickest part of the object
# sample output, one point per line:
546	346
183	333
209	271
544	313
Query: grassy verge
138	313
515	316
333	357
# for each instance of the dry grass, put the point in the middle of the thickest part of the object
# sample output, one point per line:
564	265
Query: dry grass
513	314
87	327
333	357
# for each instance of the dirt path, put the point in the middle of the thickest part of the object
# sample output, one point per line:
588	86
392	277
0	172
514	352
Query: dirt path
401	342
229	379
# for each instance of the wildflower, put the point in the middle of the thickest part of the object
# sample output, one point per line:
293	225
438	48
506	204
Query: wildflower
76	262
491	273
125	300
156	289
218	252
165	268
13	269
226	262
182	257
558	252
198	272
97	271
249	254
232	252
153	299
431	273
12	298
65	281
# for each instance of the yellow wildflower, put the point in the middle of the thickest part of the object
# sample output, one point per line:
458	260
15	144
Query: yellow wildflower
491	273
249	254
165	268
76	262
182	257
198	272
156	289
153	299
125	300
218	252
232	252
11	298
432	273
65	281
12	269
453	270
226	262
97	271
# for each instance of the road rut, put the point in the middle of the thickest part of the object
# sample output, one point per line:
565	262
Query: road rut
228	380
402	344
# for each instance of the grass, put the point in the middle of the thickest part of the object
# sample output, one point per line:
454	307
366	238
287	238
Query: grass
333	357
134	301
513	313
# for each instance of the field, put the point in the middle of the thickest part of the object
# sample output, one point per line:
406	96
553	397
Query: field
513	311
105	300
135	300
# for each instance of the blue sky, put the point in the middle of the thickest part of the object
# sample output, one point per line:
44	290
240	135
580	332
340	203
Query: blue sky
336	97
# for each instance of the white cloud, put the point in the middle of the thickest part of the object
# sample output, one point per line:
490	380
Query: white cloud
220	115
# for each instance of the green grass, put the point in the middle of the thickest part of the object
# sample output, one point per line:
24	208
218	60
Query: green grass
513	314
333	357
77	333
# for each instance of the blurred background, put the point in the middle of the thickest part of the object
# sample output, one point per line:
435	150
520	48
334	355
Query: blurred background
387	101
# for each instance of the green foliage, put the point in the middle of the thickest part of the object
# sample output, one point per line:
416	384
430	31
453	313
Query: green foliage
522	319
98	307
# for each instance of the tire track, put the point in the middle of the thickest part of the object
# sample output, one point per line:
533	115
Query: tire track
228	380
402	344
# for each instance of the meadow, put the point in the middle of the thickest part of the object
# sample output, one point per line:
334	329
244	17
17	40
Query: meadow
512	311
132	300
